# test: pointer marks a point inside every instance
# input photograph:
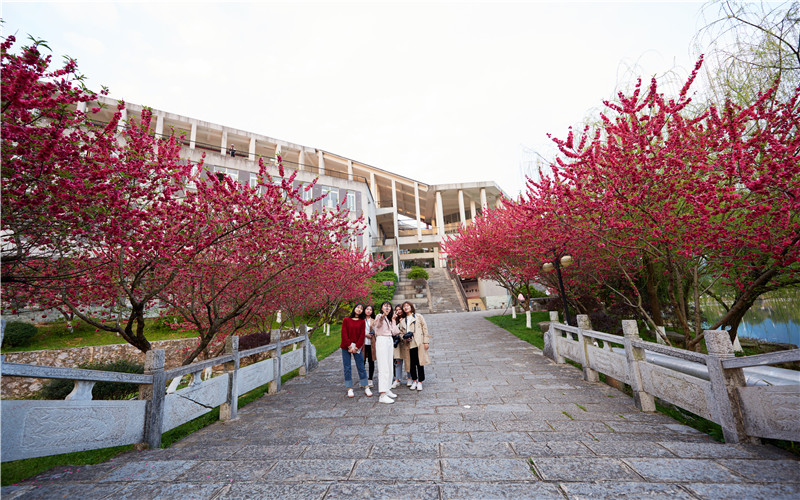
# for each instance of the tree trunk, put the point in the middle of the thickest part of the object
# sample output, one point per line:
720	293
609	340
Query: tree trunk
652	291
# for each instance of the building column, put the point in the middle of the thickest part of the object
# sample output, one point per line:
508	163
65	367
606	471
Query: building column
159	131
349	170
193	136
396	259
461	208
321	157
439	214
484	206
252	149
123	121
82	106
394	211
416	206
300	157
224	147
472	210
374	187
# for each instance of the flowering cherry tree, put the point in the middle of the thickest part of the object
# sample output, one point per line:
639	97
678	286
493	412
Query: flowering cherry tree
711	197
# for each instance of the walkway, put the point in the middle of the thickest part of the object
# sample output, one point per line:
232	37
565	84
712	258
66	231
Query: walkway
495	420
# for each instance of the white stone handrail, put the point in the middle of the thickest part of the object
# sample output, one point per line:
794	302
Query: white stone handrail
744	412
34	428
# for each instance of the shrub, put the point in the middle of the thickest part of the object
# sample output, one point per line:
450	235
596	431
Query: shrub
417	273
380	292
18	334
253	340
60	389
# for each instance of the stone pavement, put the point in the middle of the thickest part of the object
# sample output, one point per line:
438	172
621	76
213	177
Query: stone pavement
496	419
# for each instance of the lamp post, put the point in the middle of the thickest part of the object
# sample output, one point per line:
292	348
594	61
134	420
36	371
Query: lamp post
559	262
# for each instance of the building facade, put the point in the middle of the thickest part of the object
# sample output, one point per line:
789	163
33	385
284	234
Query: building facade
405	219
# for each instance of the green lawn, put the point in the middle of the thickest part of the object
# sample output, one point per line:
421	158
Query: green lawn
56	336
19	470
517	326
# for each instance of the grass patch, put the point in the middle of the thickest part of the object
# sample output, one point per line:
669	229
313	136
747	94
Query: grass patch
517	326
56	335
19	470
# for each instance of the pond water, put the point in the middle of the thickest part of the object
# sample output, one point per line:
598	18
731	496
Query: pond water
773	317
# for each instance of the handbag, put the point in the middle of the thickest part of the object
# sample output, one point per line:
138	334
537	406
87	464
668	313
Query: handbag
396	339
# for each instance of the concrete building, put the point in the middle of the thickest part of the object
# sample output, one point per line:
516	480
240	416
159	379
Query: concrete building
405	218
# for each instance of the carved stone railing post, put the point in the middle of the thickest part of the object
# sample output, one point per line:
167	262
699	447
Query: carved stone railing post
635	356
229	409
154	394
585	342
275	385
306	350
550	344
82	391
723	386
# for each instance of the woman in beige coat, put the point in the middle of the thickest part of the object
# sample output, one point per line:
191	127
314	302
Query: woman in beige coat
415	355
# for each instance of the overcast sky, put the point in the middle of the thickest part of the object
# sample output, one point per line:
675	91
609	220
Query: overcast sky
439	92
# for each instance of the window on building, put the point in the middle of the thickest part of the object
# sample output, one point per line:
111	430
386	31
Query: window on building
253	180
230	172
305	195
331	198
351	200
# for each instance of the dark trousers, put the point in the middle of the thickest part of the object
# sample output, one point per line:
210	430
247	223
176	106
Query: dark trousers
368	361
417	372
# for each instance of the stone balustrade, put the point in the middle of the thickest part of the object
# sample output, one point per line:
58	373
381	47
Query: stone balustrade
34	428
745	413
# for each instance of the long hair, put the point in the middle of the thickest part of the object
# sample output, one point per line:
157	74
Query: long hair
353	314
413	311
380	309
400	315
372	314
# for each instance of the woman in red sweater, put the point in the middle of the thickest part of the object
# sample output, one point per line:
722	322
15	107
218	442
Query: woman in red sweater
352	341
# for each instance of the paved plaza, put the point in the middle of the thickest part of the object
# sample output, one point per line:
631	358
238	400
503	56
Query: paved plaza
496	419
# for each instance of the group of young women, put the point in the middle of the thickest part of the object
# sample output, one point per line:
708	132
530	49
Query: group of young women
393	338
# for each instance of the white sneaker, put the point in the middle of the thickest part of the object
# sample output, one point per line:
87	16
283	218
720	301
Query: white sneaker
369	384
408	383
419	386
385	399
350	393
413	386
367	392
391	394
395	384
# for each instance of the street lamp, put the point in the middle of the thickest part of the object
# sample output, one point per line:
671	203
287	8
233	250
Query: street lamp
557	264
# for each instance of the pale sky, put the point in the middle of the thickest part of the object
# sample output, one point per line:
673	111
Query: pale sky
438	92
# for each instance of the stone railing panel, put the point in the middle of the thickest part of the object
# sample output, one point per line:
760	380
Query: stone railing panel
194	401
608	362
677	388
291	361
771	412
37	428
569	348
255	375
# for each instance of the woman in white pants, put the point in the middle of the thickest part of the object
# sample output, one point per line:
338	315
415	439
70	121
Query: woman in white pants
385	328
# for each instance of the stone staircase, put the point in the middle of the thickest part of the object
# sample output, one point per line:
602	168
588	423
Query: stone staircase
443	294
405	291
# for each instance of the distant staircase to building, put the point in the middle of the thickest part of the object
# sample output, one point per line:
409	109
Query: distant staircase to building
441	294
